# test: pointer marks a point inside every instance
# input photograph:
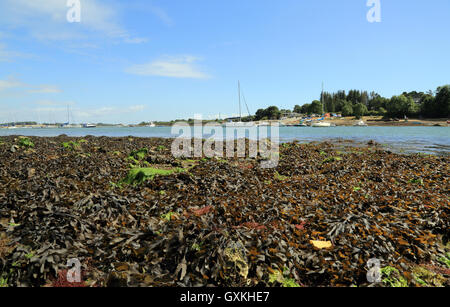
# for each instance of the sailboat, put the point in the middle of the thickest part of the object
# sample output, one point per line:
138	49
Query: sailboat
361	123
320	123
240	123
14	124
68	124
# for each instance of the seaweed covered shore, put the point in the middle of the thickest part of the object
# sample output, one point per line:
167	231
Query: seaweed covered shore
134	215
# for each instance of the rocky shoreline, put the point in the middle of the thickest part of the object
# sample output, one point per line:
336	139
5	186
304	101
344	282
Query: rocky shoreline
134	215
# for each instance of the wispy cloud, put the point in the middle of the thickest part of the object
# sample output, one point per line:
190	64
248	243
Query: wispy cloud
174	67
45	89
49	103
136	40
7	55
136	108
162	15
13	83
106	111
10	83
39	17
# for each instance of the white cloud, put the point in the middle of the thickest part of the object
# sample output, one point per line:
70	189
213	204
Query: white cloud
136	108
54	103
175	67
45	89
136	40
10	83
46	19
8	55
106	111
162	15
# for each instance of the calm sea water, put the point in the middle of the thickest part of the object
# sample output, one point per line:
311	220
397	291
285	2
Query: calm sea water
403	139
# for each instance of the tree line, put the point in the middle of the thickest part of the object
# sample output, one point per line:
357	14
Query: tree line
362	103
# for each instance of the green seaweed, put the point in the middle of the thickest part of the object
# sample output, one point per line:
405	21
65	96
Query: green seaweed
393	278
445	260
25	142
283	279
168	216
196	247
427	278
3	282
139	154
416	181
71	145
331	159
279	177
139	175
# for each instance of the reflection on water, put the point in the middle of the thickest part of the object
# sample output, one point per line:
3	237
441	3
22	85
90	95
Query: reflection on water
397	139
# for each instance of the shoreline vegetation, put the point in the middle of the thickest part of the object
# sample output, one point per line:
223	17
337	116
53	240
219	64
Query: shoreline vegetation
374	121
134	215
408	109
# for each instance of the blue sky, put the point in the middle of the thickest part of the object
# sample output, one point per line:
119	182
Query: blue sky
140	60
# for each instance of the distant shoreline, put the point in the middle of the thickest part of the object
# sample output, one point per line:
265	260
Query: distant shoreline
378	121
372	121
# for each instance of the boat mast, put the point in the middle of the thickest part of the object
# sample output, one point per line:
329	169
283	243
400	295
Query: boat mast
322	101
239	93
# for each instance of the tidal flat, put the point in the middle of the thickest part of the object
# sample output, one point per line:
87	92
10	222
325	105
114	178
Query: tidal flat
134	215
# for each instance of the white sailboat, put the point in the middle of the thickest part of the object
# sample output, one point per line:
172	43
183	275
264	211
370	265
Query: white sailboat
240	123
321	124
361	123
14	124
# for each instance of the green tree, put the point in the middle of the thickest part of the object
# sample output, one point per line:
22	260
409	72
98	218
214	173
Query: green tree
400	106
382	111
377	102
316	107
297	109
273	113
347	109
340	104
269	113
428	107
443	101
259	114
305	108
359	110
285	112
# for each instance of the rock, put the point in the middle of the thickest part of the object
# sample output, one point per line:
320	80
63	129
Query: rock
321	244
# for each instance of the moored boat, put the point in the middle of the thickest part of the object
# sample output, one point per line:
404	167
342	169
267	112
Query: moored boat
361	123
89	126
321	125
